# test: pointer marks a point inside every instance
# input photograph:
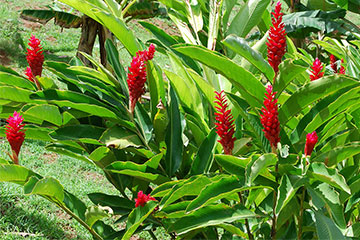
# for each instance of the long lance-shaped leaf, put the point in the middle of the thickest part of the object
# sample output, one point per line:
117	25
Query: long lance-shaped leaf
312	92
241	47
98	10
222	188
336	155
13	80
136	217
173	138
248	85
139	171
259	165
210	216
326	228
319	171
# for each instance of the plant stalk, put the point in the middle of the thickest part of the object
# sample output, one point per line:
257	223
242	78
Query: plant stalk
273	227
300	223
251	237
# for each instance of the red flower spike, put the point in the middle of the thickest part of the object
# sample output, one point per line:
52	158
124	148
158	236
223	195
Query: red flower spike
143	199
34	56
269	117
137	75
225	123
316	71
342	68
333	63
29	74
276	45
15	134
311	140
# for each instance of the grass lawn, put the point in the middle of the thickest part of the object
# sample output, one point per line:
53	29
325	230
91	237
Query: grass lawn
32	216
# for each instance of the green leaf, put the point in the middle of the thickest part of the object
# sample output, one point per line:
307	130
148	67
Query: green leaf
120	138
248	85
203	160
138	216
232	164
142	172
311	92
118	204
326	228
15	174
47	113
48	187
286	192
325	196
62	19
336	155
260	166
248	17
173	138
95	213
84	133
219	189
210	216
16	81
332	177
241	47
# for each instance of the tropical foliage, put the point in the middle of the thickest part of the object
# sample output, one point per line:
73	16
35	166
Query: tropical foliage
239	139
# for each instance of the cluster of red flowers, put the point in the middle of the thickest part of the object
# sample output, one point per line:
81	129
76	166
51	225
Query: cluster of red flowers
276	45
15	134
311	140
35	59
225	123
334	65
137	75
142	199
316	71
269	117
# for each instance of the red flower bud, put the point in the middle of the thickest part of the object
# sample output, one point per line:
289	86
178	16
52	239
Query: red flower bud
311	140
29	74
137	75
276	45
143	199
269	118
15	134
34	56
225	123
316	71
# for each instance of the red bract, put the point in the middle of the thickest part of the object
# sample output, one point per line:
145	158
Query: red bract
269	118
137	75
276	45
15	134
316	71
311	140
29	74
143	199
225	123
333	63
342	68
34	56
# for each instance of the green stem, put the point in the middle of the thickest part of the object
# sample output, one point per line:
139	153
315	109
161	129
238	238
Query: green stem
152	234
251	237
273	227
127	7
92	231
300	223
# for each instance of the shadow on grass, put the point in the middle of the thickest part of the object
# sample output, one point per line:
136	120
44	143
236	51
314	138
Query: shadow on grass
18	220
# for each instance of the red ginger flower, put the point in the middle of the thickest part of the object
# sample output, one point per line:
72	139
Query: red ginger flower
269	118
15	134
143	199
333	63
276	44
29	74
225	123
316	71
311	140
137	75
34	56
